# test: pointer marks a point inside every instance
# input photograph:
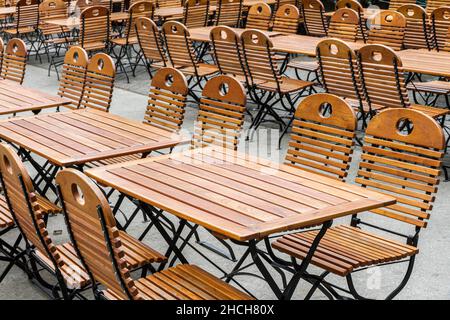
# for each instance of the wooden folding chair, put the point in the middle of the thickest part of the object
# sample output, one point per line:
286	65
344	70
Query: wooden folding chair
355	5
196	13
228	13
344	24
323	136
286	19
404	164
440	23
315	22
387	27
14	61
94	29
268	87
73	76
259	17
151	47
435	4
84	201
417	32
99	83
221	113
390	90
181	54
126	43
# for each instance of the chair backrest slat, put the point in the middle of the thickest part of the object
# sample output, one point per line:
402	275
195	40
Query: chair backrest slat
322	136
259	17
221	113
99	83
14	61
344	24
417	32
401	157
286	19
387	27
314	19
229	13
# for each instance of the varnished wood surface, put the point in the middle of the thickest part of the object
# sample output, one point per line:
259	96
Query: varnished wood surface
16	98
74	22
84	135
237	195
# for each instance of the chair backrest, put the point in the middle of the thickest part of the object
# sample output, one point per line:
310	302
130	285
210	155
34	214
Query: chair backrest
27	14
196	13
95	27
51	9
280	3
229	13
258	57
286	19
227	50
314	19
403	163
434	4
221	113
350	4
138	10
383	79
344	24
150	40
14	60
73	75
387	27
167	99
417	32
22	203
259	17
440	23
169	3
94	234
395	4
99	83
322	138
180	50
339	69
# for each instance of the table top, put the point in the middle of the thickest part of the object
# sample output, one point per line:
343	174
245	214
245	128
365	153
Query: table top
15	98
367	13
78	136
202	34
237	195
426	62
7	10
74	22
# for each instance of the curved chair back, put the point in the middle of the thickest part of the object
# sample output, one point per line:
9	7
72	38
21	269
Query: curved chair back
99	83
167	99
27	15
440	23
51	9
387	27
344	24
94	28
417	32
314	19
150	40
434	4
286	19
229	13
221	113
196	13
350	4
403	163
322	138
14	61
73	75
259	16
180	50
138	10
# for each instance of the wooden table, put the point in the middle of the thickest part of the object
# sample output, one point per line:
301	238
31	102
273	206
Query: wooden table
7	10
426	62
15	98
235	195
367	13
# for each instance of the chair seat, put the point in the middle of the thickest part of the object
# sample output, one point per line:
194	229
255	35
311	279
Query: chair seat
184	282
438	87
431	111
311	66
355	105
94	46
6	219
204	69
287	85
344	249
123	41
22	30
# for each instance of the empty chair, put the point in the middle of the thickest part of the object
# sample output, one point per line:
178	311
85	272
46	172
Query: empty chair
440	23
405	165
259	17
26	20
229	13
395	4
73	76
181	55
84	201
196	13
355	5
344	24
323	136
313	13
286	19
227	49
99	83
94	28
417	32
151	47
14	61
387	27
434	4
389	90
221	113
